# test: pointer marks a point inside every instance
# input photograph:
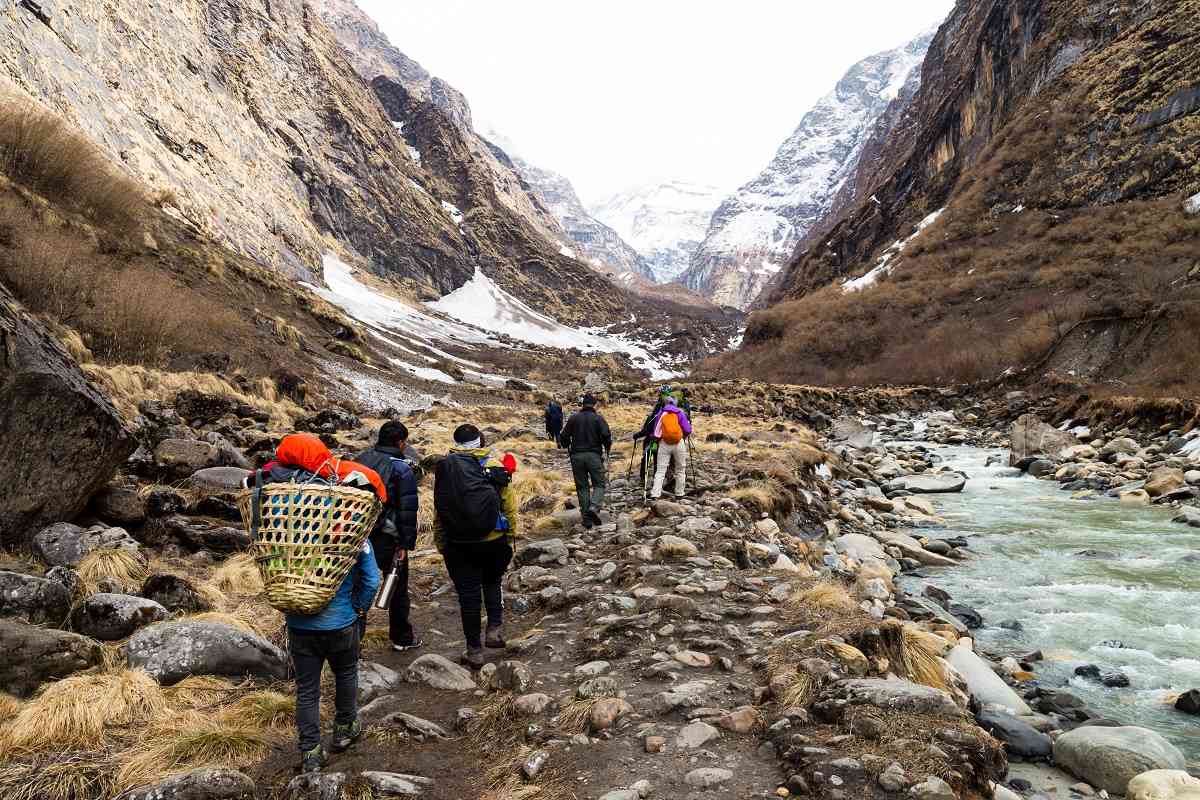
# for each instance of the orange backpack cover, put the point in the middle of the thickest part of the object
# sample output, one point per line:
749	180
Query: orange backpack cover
307	451
672	433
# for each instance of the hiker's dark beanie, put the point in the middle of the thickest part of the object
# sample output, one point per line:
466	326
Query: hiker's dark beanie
392	431
587	400
467	433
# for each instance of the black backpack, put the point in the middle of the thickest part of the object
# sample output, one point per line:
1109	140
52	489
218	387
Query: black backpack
466	498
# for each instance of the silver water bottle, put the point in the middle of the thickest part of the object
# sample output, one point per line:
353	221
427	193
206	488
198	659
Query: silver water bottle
383	600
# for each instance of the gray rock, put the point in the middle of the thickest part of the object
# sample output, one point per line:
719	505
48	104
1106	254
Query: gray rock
197	534
1188	515
707	777
120	505
200	784
928	483
513	676
1108	758
171	651
375	680
62	436
33	599
316	786
218	479
533	704
34	655
932	788
621	794
696	734
394	784
546	551
110	617
420	728
182	457
984	684
1031	438
174	593
896	695
440	673
64	544
595	688
1021	740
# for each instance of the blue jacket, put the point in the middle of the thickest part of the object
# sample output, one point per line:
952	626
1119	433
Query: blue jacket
356	593
401	508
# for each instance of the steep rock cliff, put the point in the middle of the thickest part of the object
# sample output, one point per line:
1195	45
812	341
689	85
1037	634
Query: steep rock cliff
754	231
1060	137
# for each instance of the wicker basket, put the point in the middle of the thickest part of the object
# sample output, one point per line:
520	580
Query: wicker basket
308	539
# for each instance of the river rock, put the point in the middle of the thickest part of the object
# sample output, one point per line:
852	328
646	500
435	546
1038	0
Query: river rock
171	651
928	483
35	655
932	788
1030	438
1189	702
1164	480
1021	740
853	433
440	673
1108	758
1120	446
1135	497
866	550
208	783
64	544
62	437
33	599
1188	515
174	593
1163	784
985	685
110	617
913	549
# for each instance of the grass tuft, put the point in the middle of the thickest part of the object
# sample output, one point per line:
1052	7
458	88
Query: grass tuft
126	568
263	709
238	577
189	741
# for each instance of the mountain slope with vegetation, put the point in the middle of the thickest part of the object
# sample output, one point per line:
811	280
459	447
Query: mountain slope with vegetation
1061	140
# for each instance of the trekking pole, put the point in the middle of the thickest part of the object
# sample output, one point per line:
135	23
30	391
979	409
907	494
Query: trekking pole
632	453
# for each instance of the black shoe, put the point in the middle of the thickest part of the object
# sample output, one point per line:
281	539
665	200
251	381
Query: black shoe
312	760
596	521
587	521
400	647
344	736
472	657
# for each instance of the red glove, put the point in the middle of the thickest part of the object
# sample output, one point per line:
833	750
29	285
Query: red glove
509	462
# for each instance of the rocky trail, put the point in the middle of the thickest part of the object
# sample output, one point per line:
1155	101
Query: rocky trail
779	631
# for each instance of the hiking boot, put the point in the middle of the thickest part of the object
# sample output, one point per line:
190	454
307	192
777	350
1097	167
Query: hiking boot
587	521
312	760
344	736
494	638
473	657
596	521
400	647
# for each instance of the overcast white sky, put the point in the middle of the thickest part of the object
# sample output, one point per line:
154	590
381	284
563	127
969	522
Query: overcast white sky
627	92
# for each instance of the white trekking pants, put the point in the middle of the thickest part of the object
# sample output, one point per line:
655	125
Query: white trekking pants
666	452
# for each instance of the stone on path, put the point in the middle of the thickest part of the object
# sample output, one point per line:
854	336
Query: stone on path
1108	758
607	711
707	777
374	680
696	734
207	783
172	651
440	673
34	655
316	786
394	784
62	437
932	788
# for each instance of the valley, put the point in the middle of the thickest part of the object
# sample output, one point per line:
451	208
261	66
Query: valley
939	531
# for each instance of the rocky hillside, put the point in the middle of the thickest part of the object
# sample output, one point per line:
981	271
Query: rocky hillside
664	222
754	231
1060	138
583	235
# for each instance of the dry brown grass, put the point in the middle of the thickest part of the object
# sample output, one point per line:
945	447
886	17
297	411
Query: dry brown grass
263	709
40	151
77	713
59	776
126	568
576	715
238	576
496	722
250	619
9	707
824	597
201	692
191	740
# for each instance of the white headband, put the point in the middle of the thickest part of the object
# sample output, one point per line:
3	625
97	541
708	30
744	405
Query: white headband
474	444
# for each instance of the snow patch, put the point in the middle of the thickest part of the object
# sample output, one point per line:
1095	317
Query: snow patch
1192	204
453	211
414	153
563	250
884	265
482	303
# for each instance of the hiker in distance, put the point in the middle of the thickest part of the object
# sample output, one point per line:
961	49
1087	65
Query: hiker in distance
331	636
589	440
475	525
395	533
671	429
554	421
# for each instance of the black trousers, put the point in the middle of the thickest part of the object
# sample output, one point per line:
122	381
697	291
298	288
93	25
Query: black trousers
476	569
400	630
310	650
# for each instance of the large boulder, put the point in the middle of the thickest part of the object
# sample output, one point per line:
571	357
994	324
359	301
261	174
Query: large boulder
901	696
853	433
62	437
1163	784
208	783
33	656
1021	740
33	599
181	457
1109	758
1165	480
65	545
110	617
1031	438
200	534
928	483
174	593
984	684
171	651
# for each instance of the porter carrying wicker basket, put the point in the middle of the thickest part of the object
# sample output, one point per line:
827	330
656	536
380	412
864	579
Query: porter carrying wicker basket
305	539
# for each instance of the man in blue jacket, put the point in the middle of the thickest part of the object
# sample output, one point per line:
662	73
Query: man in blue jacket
395	533
331	635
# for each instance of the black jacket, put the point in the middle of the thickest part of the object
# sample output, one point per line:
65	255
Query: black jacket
587	432
647	431
554	417
401	482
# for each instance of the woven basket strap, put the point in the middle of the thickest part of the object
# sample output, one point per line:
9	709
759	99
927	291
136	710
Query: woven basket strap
256	506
